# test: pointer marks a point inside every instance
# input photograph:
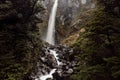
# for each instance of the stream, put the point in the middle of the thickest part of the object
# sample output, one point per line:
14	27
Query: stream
55	60
45	77
55	63
51	40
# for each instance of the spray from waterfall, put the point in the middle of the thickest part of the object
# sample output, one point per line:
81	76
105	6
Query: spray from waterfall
50	38
83	1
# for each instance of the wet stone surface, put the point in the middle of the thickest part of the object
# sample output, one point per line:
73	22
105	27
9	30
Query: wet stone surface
47	62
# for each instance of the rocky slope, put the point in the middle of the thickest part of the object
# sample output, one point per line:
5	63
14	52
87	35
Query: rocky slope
97	48
67	15
92	33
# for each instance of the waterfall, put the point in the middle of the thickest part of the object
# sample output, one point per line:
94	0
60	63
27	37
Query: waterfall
50	38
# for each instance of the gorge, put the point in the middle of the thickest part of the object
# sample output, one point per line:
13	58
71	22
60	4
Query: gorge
59	39
50	38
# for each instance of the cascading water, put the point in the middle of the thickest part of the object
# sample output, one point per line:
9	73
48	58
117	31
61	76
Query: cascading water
50	38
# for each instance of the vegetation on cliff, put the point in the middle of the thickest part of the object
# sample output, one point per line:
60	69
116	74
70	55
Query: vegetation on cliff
98	48
94	35
19	38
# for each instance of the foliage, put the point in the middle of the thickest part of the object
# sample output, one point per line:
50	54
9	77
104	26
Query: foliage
19	38
98	48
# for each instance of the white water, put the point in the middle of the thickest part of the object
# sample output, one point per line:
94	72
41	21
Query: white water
83	1
44	77
56	56
48	76
50	38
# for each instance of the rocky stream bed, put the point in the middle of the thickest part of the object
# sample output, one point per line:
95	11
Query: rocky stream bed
48	63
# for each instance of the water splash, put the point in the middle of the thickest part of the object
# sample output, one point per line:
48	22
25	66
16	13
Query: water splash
56	56
50	38
48	76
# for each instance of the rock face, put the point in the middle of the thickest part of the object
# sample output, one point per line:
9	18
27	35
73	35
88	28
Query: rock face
66	7
47	62
67	14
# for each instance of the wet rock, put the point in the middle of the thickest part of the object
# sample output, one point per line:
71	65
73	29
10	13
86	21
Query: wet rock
49	62
57	76
49	79
70	71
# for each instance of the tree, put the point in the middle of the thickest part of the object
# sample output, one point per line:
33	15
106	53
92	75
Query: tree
19	37
98	48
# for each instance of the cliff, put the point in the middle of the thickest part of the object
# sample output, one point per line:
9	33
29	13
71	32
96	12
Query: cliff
67	14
